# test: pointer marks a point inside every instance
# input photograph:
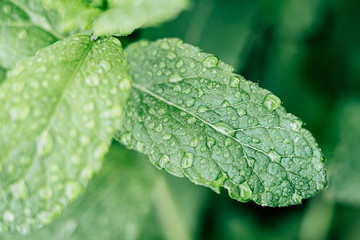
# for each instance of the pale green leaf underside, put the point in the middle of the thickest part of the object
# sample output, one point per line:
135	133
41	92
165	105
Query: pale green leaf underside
114	205
194	117
61	17
123	17
345	177
58	113
19	37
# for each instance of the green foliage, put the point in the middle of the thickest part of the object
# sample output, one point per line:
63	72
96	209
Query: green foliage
194	117
187	111
123	17
57	120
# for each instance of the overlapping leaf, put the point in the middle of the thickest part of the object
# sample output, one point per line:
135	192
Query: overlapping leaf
58	113
123	17
194	117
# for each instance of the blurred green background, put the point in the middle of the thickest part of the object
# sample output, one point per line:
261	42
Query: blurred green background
305	51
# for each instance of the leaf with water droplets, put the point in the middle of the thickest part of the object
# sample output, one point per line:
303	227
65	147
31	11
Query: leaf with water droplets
58	113
19	37
217	128
123	17
114	205
345	179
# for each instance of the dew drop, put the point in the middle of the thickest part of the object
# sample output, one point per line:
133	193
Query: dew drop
274	156
190	102
187	160
175	78
255	140
167	137
46	193
234	82
164	159
177	88
210	142
101	150
19	190
171	56
87	173
164	45
296	198
140	146
8	216
241	112
46	145
202	109
20	112
72	190
227	142
193	142
105	64
125	84
179	63
191	120
225	128
126	139
296	125
92	81
272	102
210	62
245	192
159	128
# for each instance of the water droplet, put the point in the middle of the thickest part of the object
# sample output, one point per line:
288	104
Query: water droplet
140	146
101	150
191	120
272	102
72	190
210	142
167	136
225	128
187	160
105	64
164	45
179	63
46	145
162	111
296	198
245	192
255	140
126	139
227	142
175	78
159	128
193	142
171	56
210	62
87	173
202	109
190	102
296	125
234	82
164	159
177	88
274	156
92	81
241	112
19	190
8	216
125	84
20	112
151	125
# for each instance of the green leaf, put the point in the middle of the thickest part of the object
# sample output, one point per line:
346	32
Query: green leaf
58	113
194	117
114	205
61	17
123	17
20	38
345	178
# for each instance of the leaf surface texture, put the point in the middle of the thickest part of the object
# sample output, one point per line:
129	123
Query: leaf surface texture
194	117
59	111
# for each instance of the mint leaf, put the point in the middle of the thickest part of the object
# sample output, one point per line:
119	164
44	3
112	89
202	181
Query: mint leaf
194	117
345	178
114	205
61	17
58	113
19	38
123	17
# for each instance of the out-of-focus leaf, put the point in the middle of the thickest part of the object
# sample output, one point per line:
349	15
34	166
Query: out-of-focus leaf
19	37
114	206
63	17
59	110
123	16
226	28
344	173
2	74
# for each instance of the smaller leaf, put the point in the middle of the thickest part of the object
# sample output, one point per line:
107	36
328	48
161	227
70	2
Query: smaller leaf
123	17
